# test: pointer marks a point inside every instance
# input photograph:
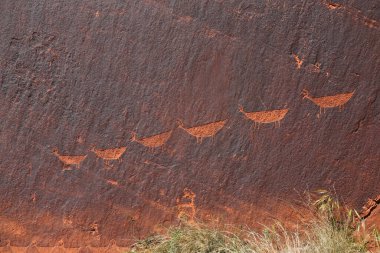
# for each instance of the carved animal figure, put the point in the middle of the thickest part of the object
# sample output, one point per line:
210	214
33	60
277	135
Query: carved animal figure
109	154
153	141
265	117
337	100
203	131
68	160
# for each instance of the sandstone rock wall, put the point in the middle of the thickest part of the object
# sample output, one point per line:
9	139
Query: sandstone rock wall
118	116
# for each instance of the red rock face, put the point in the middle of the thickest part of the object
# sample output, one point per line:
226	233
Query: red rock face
370	212
116	117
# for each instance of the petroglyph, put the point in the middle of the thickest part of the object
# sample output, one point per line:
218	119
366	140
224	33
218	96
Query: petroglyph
34	197
186	205
368	208
298	61
80	139
333	6
153	141
109	154
68	160
329	101
371	23
265	117
213	33
354	13
314	68
203	131
112	182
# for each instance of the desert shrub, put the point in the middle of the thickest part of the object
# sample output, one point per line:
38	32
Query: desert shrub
332	230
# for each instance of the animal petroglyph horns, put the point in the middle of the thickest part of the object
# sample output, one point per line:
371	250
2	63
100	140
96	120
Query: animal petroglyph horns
241	108
133	136
180	124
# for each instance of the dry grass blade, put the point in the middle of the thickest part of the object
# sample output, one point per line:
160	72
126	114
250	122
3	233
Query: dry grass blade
331	231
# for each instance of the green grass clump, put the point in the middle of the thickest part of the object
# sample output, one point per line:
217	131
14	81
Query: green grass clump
332	231
191	237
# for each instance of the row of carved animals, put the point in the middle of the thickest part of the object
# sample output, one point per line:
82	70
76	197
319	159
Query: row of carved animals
206	130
